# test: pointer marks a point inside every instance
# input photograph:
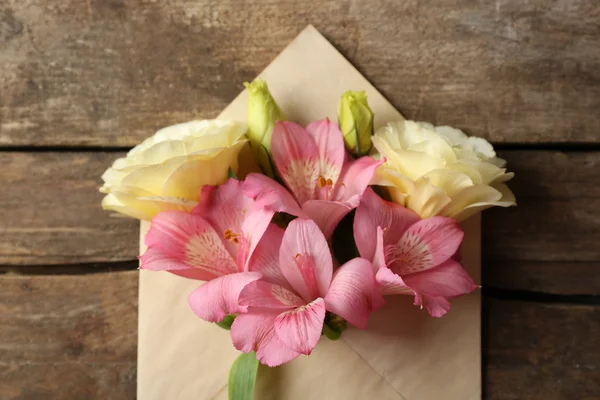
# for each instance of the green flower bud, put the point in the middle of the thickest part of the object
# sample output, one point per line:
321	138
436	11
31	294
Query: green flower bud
263	112
355	118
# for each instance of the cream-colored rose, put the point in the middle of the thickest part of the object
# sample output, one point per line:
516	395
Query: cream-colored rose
167	170
440	170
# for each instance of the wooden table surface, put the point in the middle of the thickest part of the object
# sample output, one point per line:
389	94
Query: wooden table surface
83	81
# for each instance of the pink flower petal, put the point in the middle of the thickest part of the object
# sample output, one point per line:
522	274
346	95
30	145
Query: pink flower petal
183	239
224	206
330	144
436	306
262	294
390	283
270	195
219	297
233	215
379	256
353	293
253	229
327	214
372	212
265	258
424	245
297	158
155	259
256	332
193	273
355	179
300	329
449	279
305	259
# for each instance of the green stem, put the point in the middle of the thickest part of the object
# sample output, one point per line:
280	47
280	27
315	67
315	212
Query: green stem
331	334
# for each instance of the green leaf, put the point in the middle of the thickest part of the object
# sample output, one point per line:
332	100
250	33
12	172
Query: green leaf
242	377
227	321
231	174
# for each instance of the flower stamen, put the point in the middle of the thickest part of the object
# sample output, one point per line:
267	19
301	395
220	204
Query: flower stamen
326	186
321	182
231	236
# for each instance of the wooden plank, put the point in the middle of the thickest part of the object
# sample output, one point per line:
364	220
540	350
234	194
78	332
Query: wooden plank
557	217
68	337
564	278
71	337
548	243
540	351
109	73
51	214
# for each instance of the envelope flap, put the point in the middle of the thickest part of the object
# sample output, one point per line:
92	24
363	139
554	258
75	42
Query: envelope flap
308	78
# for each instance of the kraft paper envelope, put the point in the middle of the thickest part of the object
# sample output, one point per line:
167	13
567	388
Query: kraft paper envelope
404	354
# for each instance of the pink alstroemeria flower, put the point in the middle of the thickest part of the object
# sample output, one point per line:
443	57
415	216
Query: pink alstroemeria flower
219	242
312	162
410	255
285	319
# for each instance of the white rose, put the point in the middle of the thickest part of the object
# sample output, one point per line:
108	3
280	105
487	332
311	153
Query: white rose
167	170
440	170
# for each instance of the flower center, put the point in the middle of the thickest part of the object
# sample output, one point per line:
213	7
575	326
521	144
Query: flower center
325	191
322	182
231	236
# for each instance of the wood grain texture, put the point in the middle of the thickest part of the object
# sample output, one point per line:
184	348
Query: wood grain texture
558	196
540	351
562	278
74	337
51	214
109	73
68	337
548	243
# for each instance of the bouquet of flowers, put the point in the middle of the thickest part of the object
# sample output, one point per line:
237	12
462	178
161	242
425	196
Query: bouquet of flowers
300	231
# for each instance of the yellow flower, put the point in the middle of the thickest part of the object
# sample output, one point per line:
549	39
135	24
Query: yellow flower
440	170
356	122
167	170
